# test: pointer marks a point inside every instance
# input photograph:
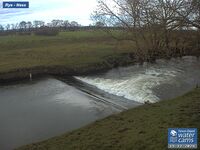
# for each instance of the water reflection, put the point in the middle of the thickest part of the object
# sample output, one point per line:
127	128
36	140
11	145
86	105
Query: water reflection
43	109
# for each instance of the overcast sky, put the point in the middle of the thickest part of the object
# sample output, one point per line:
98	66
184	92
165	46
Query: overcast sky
72	10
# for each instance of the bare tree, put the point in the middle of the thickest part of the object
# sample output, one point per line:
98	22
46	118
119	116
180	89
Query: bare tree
193	12
99	24
1	27
22	25
66	24
146	21
74	24
29	25
164	14
13	26
135	18
7	27
57	23
38	23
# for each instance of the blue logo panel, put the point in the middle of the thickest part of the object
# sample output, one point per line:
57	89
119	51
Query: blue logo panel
14	4
182	138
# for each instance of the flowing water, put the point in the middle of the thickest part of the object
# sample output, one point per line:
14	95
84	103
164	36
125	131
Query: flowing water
149	82
37	110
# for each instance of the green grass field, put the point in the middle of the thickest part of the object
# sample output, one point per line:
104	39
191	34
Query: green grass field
142	128
69	49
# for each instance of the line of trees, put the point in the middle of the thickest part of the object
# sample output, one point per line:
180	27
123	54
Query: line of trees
41	28
156	27
38	27
23	25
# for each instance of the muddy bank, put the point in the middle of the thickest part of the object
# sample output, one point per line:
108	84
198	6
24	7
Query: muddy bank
41	71
37	72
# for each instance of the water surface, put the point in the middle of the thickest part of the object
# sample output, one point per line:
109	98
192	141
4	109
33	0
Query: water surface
149	82
42	109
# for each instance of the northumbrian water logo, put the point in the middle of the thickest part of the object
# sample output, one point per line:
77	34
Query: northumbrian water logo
181	138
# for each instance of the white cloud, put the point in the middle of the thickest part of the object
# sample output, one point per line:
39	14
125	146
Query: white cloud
77	10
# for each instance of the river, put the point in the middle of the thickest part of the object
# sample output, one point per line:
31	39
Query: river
162	80
47	107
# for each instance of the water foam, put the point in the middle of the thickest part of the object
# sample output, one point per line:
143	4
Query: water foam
137	82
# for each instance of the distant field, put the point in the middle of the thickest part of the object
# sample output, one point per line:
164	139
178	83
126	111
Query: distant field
142	128
69	49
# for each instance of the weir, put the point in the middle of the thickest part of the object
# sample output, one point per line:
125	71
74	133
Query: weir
149	82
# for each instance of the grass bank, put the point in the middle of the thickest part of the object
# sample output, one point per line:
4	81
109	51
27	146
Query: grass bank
142	128
67	53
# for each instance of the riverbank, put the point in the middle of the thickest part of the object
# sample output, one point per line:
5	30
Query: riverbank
61	70
69	53
141	128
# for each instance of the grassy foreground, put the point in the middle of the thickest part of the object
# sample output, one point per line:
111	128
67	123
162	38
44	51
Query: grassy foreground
75	51
142	128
